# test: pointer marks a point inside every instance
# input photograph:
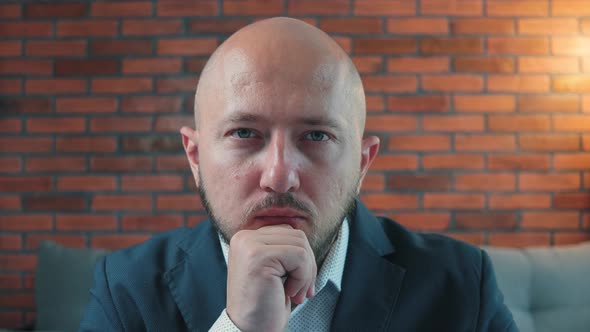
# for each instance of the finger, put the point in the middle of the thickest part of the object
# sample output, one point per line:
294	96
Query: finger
295	262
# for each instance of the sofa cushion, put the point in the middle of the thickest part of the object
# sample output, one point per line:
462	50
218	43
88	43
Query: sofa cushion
62	283
547	289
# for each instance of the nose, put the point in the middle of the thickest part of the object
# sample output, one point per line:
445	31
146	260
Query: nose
280	172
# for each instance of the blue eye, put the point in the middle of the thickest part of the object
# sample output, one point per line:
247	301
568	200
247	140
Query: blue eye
243	133
317	136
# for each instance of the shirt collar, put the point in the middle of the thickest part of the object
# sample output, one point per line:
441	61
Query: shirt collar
333	267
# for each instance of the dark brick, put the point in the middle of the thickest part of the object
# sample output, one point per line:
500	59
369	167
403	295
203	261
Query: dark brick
55	203
152	144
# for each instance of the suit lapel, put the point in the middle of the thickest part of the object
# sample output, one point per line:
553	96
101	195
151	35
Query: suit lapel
370	283
198	282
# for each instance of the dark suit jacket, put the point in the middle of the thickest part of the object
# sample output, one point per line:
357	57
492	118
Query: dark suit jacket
394	280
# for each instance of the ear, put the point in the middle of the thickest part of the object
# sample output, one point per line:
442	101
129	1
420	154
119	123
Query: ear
369	148
190	140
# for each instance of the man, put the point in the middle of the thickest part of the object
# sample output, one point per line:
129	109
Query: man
278	156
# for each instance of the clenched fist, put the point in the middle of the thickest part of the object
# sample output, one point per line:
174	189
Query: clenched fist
268	269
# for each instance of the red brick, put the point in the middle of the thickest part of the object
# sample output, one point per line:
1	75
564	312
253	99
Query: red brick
267	7
10	242
10	281
26	222
86	144
517	8
52	203
121	164
95	28
384	7
10	86
24	105
570	8
571	83
151	182
26	67
374	182
460	123
571	161
548	64
518	83
519	201
518	162
476	239
121	202
174	85
519	123
18	300
483	65
10	48
179	202
151	144
550	220
420	182
375	103
483	143
55	164
121	47
56	48
84	222
155	65
451	7
485	182
368	64
55	10
85	105
414	26
128	8
483	220
418	65
586	143
155	223
548	103
184	8
151	104
173	123
352	25
390	123
10	11
419	143
518	45
571	123
385	202
26	29
193	220
18	262
25	183
55	86
56	125
390	83
517	240
448	83
549	143
422	103
121	124
71	241
10	125
572	200
117	241
310	7
563	238
549	182
345	43
151	27
484	103
547	26
384	46
86	183
423	221
200	46
570	45
451	46
121	85
86	67
196	65
453	201
10	164
204	25
22	144
172	163
586	220
394	162
476	26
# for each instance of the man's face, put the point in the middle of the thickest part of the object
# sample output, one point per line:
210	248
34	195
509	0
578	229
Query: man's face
278	148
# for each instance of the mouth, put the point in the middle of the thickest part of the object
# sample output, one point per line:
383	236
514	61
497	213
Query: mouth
279	216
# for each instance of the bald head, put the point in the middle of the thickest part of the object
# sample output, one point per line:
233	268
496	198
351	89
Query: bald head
281	51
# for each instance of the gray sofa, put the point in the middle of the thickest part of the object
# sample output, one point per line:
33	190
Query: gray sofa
547	289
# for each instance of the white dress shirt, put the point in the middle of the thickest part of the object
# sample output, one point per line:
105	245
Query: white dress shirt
313	314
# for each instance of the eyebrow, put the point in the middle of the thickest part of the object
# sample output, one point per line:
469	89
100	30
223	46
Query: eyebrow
245	117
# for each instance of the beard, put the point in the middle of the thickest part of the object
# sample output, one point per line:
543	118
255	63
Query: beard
322	234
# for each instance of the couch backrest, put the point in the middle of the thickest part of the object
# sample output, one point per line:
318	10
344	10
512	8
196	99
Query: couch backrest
547	289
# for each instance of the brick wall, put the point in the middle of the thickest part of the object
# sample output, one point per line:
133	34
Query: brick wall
483	108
